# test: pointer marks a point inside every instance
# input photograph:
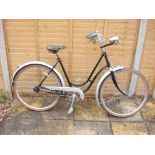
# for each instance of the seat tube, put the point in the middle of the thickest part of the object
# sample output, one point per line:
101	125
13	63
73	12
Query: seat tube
63	68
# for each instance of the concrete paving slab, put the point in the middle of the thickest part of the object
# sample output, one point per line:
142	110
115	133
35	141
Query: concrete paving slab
134	118
92	128
17	108
65	127
37	127
60	111
56	127
88	110
132	128
151	127
148	112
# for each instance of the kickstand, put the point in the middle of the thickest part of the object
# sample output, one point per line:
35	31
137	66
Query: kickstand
71	109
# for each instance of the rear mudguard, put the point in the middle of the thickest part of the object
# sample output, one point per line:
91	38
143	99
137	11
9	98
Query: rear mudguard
37	63
102	80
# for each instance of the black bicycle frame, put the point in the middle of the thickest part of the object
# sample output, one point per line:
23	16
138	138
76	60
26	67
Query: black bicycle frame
104	54
90	76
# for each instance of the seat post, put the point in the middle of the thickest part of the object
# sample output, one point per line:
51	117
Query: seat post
58	58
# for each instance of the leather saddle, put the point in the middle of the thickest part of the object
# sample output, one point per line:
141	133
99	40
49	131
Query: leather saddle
55	48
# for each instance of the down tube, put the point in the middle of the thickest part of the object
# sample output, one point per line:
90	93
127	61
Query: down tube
92	81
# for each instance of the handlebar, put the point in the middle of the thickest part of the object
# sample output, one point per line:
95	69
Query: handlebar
112	40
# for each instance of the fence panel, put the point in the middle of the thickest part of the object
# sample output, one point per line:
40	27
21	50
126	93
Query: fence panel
148	59
27	40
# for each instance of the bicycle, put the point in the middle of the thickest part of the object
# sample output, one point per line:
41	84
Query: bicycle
39	86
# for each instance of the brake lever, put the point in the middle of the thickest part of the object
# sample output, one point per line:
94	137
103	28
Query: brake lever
93	41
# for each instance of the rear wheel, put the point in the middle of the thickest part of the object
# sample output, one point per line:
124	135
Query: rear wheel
117	104
27	92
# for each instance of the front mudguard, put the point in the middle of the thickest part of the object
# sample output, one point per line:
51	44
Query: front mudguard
102	80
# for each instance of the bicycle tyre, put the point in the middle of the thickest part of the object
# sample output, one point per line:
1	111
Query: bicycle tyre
114	103
31	77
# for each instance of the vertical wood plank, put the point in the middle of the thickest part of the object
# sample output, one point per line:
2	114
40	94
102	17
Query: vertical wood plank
37	39
104	36
70	47
37	46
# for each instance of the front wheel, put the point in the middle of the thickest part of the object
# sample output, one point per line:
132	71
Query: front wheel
135	88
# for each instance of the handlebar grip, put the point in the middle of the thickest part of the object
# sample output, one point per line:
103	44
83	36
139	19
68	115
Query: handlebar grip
91	35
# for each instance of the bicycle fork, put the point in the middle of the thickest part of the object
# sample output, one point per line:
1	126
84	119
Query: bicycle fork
115	83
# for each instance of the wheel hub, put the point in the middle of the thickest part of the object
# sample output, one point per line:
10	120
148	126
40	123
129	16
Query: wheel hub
36	89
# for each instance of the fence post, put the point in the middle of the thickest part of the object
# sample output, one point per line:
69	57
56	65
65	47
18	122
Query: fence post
6	77
153	94
138	54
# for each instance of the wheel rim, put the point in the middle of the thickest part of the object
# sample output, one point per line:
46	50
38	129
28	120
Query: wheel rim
27	79
117	104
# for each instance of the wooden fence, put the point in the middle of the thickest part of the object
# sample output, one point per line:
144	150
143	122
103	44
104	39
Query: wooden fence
26	40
